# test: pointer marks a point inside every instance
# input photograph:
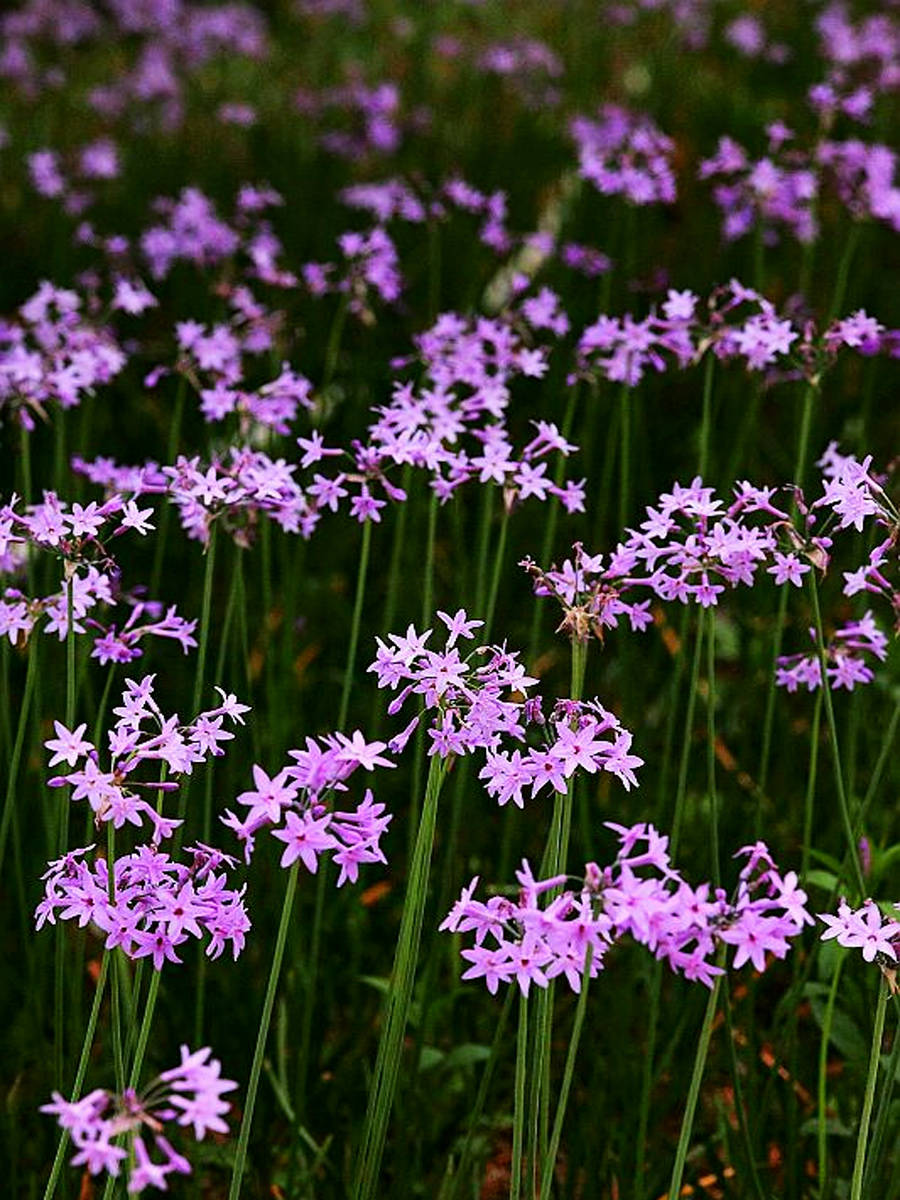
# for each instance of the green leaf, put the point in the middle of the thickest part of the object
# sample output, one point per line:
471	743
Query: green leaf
430	1058
845	1035
822	879
467	1055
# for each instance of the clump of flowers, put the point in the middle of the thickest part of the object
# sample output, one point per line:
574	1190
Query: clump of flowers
149	902
142	734
624	153
690	549
297	805
479	703
53	355
152	903
867	929
775	192
111	1131
640	895
847	654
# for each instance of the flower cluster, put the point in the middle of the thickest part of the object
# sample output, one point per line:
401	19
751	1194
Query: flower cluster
847	656
471	366
151	904
142	734
640	896
624	153
53	354
865	928
689	548
481	706
189	1095
736	323
776	192
297	805
370	267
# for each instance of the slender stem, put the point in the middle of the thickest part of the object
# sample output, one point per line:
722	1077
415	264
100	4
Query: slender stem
426	614
711	745
115	992
832	730
312	966
310	989
484	537
869	1098
15	761
428	588
399	997
144	1035
810	393
706	419
80	1072
162	536
687	1123
551	523
549	1161
884	1110
843	272
762	776
481	1097
240	1156
62	843
499	552
205	609
740	1106
681	789
821	1116
519	1115
333	347
811	774
625	402
357	617
554	863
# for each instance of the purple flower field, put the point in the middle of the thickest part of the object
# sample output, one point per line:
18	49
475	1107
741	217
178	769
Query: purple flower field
450	567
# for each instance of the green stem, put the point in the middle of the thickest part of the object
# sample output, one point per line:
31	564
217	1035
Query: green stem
143	1037
62	843
554	862
399	997
240	1156
706	419
205	609
625	402
687	1123
519	1115
812	772
681	789
481	1097
115	992
24	710
869	1098
884	1110
484	537
832	731
821	1118
711	745
495	577
80	1072
549	1161
166	514
332	349
740	1106
357	618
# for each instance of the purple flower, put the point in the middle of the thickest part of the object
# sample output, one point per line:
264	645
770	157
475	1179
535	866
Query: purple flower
189	1095
640	895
